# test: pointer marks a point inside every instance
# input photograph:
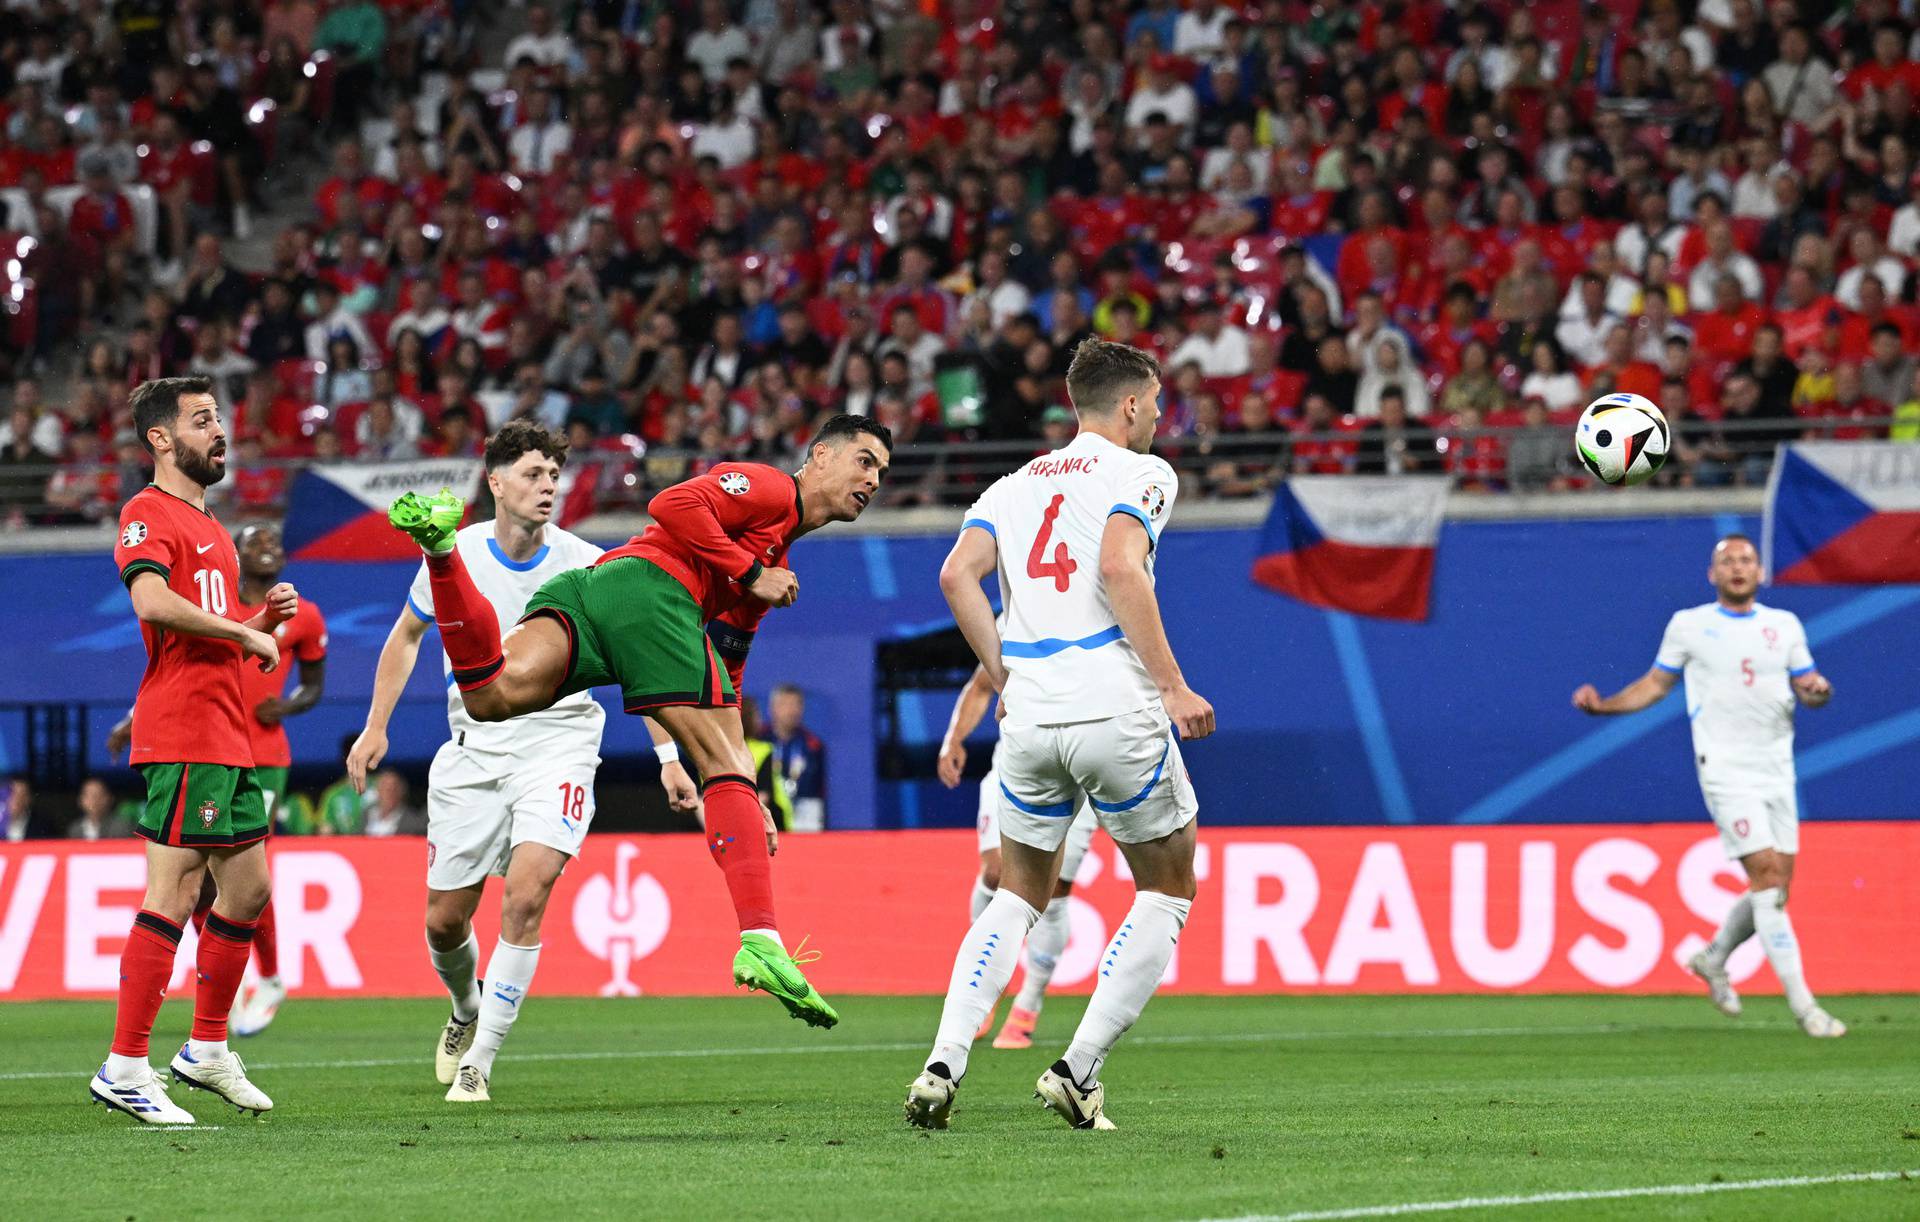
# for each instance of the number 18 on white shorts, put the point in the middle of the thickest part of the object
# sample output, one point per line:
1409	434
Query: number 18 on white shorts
481	805
1129	767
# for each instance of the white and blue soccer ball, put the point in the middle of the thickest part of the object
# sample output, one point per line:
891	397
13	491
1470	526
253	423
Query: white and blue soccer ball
1622	439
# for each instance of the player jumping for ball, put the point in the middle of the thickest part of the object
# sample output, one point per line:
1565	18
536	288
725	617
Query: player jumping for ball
1095	706
1745	664
204	811
669	618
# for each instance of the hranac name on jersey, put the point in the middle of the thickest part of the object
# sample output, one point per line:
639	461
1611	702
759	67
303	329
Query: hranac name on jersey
1079	464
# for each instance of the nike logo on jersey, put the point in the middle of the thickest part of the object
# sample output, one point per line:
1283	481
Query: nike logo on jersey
455	623
202	550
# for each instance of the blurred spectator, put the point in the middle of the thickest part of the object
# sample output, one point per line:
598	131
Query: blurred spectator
18	819
801	757
98	819
389	814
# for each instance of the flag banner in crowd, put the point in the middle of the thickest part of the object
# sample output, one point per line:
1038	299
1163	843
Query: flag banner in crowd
339	512
1844	513
1565	909
1363	544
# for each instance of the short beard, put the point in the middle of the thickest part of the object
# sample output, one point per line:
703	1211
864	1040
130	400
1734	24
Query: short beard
200	468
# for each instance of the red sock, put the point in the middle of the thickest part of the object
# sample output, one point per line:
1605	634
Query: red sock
737	838
224	948
266	944
469	630
145	966
201	909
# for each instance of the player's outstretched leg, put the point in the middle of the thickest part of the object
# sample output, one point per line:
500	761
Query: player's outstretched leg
1775	930
737	838
1130	970
981	970
468	626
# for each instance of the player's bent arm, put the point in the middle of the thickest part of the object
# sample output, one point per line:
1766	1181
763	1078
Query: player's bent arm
682	794
690	513
313	683
967	712
975	554
154	603
1645	692
390	675
1123	571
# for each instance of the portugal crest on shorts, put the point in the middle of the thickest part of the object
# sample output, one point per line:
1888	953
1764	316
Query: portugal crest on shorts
1153	501
209	813
734	482
134	535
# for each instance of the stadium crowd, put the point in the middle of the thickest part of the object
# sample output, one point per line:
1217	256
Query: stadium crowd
1372	236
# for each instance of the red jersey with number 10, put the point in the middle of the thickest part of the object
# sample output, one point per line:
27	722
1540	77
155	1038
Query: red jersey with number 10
189	708
710	531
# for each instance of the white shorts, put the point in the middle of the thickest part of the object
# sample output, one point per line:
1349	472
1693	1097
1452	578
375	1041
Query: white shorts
1753	816
481	806
1127	767
1079	833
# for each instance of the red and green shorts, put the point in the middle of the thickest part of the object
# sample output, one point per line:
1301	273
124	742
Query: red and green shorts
631	624
202	805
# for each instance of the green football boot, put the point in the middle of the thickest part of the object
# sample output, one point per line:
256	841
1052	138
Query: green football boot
432	521
763	964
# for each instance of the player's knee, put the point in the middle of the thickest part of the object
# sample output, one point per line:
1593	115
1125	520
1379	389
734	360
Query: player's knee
446	928
520	916
243	900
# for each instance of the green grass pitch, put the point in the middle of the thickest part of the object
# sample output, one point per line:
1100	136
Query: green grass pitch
1227	1107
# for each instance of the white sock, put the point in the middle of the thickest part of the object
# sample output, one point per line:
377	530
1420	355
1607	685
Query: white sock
1771	922
1044	944
206	1050
980	974
1737	928
125	1069
982	895
509	976
772	935
1130	970
456	969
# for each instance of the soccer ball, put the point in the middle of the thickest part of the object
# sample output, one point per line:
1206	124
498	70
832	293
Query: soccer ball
1622	439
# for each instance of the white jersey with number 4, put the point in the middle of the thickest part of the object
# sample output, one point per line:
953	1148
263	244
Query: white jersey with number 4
1739	670
1066	658
573	721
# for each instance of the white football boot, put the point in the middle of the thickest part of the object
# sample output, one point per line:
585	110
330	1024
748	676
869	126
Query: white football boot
223	1076
258	1007
1719	984
143	1097
1821	1025
1083	1109
469	1086
455	1038
930	1100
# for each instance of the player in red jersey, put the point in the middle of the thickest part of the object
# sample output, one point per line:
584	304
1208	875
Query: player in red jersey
268	705
204	810
669	617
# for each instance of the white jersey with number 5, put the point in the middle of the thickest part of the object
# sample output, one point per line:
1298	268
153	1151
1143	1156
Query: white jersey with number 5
1066	658
1739	671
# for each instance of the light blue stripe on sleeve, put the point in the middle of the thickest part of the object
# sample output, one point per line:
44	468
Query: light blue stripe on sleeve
415	608
1135	512
983	524
1672	670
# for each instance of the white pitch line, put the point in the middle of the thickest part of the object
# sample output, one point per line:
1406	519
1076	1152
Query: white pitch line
1226	1037
1596	1194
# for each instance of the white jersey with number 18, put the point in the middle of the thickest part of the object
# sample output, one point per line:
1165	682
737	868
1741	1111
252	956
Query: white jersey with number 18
1066	658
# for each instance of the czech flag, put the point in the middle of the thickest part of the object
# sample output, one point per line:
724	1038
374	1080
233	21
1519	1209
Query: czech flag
339	512
1844	513
1355	543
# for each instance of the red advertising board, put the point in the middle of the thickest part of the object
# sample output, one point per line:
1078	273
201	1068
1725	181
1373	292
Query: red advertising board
1370	910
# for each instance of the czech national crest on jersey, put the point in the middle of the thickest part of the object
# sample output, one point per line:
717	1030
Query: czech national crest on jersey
735	482
134	535
209	813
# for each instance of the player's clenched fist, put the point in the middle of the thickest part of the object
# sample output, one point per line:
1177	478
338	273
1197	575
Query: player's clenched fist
953	762
776	586
1189	712
261	645
282	602
1586	698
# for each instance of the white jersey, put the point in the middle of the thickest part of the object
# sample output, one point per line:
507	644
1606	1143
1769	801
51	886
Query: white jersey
1739	671
577	718
1066	658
